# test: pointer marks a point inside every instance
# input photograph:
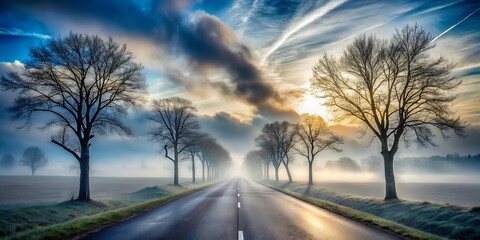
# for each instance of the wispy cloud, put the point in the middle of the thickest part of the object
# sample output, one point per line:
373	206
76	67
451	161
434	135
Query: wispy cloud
301	23
456	24
245	19
436	8
19	32
353	35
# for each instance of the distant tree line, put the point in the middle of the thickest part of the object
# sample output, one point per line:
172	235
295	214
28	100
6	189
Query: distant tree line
450	163
33	158
280	141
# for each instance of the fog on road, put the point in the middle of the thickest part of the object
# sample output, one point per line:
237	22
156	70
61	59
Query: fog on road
238	209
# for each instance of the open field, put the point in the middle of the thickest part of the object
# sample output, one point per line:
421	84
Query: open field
445	220
73	217
18	191
21	191
463	194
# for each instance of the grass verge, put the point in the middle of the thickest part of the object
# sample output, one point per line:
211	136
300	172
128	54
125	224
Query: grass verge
449	221
365	218
76	227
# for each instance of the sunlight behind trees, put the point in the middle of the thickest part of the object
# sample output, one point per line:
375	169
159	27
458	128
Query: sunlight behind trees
313	105
394	88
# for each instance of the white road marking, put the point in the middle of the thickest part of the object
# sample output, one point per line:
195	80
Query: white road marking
240	235
238	204
238	194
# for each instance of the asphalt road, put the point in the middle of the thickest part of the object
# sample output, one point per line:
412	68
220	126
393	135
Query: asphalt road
238	209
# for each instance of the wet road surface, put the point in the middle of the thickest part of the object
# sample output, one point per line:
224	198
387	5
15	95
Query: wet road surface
238	209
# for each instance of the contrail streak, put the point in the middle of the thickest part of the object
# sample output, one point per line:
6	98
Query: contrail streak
244	20
450	28
19	32
301	24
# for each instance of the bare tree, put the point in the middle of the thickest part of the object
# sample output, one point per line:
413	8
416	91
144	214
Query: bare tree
190	153
177	127
288	133
215	156
261	156
253	162
395	88
34	158
266	163
202	161
267	142
314	138
193	150
7	161
277	140
85	84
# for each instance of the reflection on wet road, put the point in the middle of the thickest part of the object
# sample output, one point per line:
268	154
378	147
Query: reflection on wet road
238	209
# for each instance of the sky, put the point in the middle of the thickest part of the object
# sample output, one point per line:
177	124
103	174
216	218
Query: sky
243	63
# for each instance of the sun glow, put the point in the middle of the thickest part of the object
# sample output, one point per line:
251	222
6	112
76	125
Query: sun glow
313	105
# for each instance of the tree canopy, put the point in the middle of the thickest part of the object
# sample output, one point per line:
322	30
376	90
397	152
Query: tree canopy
394	87
84	85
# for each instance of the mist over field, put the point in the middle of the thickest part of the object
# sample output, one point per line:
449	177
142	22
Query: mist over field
435	169
239	119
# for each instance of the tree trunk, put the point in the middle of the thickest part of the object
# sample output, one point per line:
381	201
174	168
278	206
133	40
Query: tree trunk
175	166
288	173
208	172
310	173
268	171
390	189
203	171
84	191
264	172
193	169
276	173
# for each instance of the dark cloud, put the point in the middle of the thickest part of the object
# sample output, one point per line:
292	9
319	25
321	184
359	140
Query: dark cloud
236	136
209	43
205	42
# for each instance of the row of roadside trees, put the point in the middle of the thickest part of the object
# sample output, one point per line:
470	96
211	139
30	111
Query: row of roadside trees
280	141
393	87
85	85
177	128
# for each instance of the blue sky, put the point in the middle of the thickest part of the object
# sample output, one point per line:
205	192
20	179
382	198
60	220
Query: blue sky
243	63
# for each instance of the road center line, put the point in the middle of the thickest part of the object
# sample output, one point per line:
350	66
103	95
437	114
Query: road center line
238	204
238	194
240	235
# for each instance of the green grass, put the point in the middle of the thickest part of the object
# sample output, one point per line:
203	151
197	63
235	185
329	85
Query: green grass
449	221
368	219
73	218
